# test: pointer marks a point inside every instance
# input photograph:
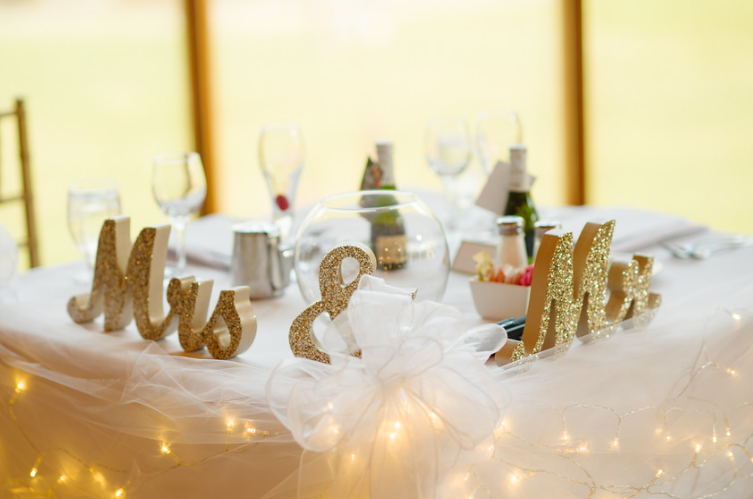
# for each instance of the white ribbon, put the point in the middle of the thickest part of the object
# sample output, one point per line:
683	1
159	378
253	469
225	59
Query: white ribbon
417	400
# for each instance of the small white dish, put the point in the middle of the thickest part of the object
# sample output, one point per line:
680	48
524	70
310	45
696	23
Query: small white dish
497	301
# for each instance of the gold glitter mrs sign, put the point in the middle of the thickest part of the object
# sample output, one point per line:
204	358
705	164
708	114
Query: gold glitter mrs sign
335	297
569	288
128	284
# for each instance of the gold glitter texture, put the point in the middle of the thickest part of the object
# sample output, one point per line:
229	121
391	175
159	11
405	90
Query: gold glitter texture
568	291
109	291
146	272
192	299
549	320
629	289
590	266
128	284
335	297
232	327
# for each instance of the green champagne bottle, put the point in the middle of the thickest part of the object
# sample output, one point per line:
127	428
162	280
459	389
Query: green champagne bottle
519	201
387	228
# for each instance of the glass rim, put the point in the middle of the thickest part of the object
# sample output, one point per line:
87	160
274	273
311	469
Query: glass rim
175	156
279	124
93	185
403	198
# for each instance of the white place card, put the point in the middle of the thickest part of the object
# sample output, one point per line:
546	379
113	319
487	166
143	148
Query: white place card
464	258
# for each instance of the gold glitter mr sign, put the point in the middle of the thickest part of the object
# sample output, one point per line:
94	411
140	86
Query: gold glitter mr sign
335	297
569	291
128	285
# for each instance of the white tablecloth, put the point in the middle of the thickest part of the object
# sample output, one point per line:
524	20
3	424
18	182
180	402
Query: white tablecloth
93	414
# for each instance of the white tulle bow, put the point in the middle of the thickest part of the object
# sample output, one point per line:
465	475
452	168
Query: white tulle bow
417	401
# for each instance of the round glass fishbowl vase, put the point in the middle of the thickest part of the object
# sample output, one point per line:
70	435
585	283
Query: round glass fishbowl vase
406	238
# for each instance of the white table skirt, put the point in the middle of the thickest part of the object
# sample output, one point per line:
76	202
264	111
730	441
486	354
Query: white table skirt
667	407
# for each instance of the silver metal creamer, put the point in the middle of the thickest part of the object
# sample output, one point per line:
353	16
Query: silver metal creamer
259	261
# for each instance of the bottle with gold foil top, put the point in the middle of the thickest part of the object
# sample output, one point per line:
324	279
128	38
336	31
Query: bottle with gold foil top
387	227
519	201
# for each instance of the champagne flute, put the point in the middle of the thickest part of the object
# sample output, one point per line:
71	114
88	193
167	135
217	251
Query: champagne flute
90	203
448	153
179	187
281	156
496	131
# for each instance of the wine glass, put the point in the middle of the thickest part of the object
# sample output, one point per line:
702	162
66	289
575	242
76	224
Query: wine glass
448	152
496	131
281	156
179	187
90	203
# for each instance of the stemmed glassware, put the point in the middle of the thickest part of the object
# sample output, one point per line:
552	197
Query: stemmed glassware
496	131
179	186
281	156
90	203
448	152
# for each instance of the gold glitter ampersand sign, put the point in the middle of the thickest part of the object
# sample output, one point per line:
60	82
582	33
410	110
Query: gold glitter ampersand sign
335	297
128	285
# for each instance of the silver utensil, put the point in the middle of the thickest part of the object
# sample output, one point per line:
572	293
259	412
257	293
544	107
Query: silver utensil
703	249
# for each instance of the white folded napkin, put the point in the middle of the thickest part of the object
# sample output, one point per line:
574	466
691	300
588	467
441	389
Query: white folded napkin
634	230
209	241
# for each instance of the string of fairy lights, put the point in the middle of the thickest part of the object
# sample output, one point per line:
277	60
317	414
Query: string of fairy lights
47	478
500	475
509	475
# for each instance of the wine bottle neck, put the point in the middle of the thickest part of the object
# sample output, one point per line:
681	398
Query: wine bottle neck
384	159
518	171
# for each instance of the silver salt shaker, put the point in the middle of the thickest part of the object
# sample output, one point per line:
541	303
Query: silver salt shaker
259	261
540	228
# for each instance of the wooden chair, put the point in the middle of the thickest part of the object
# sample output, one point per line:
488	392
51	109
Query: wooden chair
25	196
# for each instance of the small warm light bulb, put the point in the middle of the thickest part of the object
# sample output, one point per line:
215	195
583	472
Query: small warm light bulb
514	479
698	448
397	425
353	457
583	449
713	438
33	472
230	423
565	436
669	437
20	386
119	493
729	433
659	473
392	436
730	455
62	479
616	443
165	449
736	316
251	430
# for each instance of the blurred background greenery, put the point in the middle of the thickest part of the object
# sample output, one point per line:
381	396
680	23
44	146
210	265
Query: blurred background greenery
668	96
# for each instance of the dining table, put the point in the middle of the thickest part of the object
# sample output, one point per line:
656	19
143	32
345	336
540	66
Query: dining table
662	407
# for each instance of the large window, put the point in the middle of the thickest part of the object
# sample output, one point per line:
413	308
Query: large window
667	99
106	88
351	72
669	107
